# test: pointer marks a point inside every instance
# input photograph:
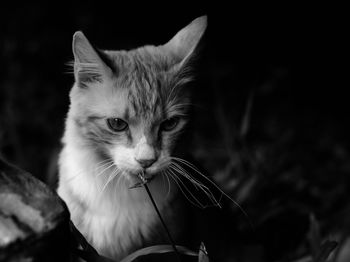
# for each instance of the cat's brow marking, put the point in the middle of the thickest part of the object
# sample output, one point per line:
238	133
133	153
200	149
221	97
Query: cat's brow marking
94	117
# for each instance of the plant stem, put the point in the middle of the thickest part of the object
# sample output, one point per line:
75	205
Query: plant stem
160	217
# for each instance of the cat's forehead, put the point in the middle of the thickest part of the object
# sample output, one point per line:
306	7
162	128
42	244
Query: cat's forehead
144	78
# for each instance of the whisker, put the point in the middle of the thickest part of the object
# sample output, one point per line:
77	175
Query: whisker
106	168
165	176
199	186
200	205
101	166
169	185
183	172
183	193
70	179
203	187
111	177
190	165
119	179
97	166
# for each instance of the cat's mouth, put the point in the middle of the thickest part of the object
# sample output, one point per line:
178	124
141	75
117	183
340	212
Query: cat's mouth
143	179
134	176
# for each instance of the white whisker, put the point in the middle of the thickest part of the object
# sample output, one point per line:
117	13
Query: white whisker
190	165
204	188
111	177
198	185
165	176
82	170
175	178
183	172
119	179
105	169
169	185
200	205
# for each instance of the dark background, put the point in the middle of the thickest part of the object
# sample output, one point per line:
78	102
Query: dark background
272	104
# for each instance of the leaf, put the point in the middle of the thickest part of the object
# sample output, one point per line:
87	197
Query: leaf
203	254
91	257
158	249
314	236
325	250
320	252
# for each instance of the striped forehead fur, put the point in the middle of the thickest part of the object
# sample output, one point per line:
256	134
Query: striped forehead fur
152	78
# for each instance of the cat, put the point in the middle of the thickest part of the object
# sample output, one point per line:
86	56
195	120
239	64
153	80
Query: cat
127	112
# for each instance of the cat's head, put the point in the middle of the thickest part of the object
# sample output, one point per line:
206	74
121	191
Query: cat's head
131	106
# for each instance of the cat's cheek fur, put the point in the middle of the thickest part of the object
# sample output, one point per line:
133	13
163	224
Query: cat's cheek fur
123	158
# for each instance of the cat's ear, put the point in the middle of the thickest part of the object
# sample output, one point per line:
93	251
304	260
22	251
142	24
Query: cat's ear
183	45
89	65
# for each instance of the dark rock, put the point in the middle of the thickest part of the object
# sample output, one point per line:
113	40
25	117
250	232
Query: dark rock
34	221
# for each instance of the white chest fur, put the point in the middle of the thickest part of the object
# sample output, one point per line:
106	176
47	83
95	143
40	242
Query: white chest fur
115	221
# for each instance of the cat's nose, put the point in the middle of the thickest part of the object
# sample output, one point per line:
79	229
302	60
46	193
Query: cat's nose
145	154
145	162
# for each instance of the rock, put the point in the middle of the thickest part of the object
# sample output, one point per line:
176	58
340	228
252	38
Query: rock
34	221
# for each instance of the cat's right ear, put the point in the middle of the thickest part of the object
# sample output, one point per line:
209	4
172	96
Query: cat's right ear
184	44
88	65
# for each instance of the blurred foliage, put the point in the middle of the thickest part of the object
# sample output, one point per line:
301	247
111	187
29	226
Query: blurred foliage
270	126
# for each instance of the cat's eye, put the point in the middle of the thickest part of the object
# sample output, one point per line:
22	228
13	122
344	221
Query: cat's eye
117	124
170	124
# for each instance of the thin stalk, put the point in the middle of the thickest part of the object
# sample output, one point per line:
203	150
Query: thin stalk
144	183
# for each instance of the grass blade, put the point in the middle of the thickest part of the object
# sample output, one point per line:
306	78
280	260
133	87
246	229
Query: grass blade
203	254
158	249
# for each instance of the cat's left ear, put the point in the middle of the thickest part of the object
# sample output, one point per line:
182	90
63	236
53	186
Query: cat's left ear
184	44
89	65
